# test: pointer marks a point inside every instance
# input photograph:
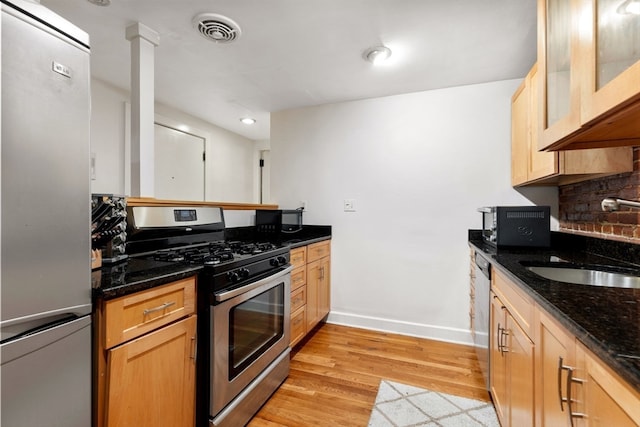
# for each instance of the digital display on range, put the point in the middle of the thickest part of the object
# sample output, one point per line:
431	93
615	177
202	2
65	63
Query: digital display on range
183	215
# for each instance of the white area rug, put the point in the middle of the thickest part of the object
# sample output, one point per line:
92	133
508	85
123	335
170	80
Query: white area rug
400	405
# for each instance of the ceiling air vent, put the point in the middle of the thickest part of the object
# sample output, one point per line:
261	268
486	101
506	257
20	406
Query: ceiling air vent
217	28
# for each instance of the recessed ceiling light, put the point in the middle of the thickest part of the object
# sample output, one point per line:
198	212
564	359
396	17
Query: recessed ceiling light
100	2
377	54
248	120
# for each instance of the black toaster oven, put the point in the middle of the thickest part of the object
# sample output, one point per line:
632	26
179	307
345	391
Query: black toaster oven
516	225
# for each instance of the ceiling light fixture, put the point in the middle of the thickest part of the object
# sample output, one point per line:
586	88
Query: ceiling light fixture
100	2
248	120
629	7
377	54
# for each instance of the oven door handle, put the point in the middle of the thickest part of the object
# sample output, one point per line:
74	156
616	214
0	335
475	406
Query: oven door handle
224	296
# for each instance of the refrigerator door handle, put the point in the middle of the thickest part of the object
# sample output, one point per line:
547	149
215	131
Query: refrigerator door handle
41	325
32	340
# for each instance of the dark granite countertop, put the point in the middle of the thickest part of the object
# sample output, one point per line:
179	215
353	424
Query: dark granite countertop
307	235
605	319
135	274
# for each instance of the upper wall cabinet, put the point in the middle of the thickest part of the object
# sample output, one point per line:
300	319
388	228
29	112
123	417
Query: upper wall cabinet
589	67
532	167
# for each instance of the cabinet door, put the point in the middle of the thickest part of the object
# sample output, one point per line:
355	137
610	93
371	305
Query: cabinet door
324	288
540	163
151	380
298	324
527	163
557	62
610	72
608	401
520	135
498	359
555	349
313	285
521	369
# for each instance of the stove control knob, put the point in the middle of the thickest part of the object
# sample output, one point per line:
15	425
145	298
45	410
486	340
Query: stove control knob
244	273
282	260
233	276
274	262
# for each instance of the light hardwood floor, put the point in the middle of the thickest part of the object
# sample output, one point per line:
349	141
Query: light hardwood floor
335	375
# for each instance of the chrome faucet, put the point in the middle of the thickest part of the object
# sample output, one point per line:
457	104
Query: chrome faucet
612	204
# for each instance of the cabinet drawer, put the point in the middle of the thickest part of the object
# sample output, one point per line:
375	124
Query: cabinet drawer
133	315
298	322
298	257
519	305
318	250
298	277
298	298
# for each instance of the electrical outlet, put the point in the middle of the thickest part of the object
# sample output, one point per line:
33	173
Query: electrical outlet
349	205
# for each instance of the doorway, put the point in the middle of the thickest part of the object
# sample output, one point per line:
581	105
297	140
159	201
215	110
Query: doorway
179	164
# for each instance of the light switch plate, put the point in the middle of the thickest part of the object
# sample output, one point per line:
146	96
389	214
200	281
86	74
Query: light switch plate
349	205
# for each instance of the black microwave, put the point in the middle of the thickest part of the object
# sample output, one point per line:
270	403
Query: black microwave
278	220
516	225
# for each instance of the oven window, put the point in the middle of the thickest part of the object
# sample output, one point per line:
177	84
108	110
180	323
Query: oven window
254	326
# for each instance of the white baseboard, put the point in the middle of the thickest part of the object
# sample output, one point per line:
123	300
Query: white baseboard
438	333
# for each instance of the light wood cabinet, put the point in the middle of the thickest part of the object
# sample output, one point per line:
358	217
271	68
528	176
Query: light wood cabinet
574	387
542	375
310	287
318	282
610	50
555	357
529	166
298	260
151	379
146	357
498	372
589	65
512	354
606	399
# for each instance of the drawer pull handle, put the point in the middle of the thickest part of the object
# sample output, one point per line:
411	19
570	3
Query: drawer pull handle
571	379
569	400
158	308
194	347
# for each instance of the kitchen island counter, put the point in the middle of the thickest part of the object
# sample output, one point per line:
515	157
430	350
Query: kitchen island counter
604	319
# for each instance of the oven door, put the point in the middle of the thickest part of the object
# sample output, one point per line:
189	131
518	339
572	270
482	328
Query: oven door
250	328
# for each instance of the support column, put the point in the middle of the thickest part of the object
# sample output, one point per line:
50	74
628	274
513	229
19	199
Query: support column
143	42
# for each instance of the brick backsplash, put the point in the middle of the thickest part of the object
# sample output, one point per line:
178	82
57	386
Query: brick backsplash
580	212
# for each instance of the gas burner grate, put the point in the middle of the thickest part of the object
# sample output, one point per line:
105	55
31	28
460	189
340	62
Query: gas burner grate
252	248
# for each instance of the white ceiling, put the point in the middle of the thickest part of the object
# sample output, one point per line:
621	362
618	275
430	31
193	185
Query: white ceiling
296	53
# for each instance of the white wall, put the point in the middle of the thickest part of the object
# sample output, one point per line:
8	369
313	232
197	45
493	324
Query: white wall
107	137
231	168
418	166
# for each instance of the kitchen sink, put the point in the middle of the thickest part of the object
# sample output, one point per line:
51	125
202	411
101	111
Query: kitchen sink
581	275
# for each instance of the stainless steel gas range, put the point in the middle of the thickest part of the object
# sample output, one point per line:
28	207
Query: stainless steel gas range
243	306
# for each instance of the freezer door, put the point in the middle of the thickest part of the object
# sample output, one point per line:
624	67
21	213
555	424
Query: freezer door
46	267
46	377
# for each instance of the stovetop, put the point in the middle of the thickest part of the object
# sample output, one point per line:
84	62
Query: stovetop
227	264
221	255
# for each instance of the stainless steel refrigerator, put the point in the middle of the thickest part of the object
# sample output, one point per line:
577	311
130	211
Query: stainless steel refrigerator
45	287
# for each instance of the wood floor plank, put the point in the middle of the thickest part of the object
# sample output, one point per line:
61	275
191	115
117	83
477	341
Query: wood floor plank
335	376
